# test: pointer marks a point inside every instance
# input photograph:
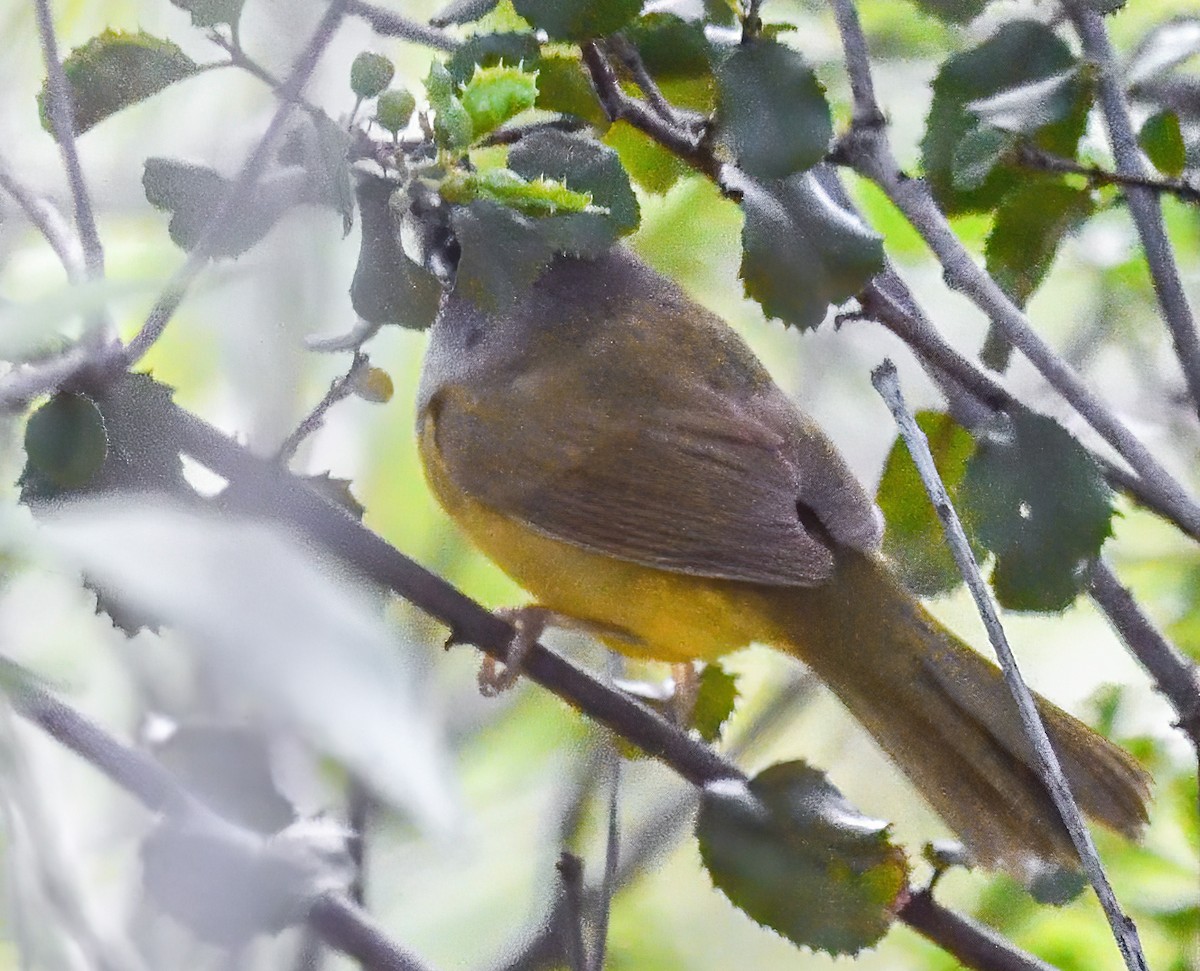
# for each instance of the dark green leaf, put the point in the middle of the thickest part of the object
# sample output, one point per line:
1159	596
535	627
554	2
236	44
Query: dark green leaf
576	20
1037	500
115	70
388	288
715	700
801	251
502	254
1030	224
1057	886
790	852
1020	54
328	168
771	110
1162	141
671	47
66	441
487	50
370	74
394	109
914	540
954	11
209	13
585	166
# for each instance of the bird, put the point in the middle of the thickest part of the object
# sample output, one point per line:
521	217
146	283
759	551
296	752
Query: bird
623	455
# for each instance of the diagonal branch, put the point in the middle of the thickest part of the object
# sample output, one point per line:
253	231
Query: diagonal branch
394	25
47	220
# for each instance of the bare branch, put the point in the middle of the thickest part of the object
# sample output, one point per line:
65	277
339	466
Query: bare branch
1032	157
48	221
394	25
1124	932
342	387
973	944
1143	201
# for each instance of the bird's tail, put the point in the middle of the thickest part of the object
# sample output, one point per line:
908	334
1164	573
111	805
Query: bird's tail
945	716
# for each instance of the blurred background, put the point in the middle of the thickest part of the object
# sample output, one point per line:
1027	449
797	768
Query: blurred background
520	770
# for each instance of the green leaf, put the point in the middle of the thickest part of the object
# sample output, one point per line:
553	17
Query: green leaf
651	166
536	197
496	94
388	288
586	166
210	13
1037	500
451	123
113	71
801	251
394	109
66	441
1162	141
795	856
565	88
1030	224
502	254
914	540
953	11
771	110
577	20
1020	78
370	74
715	700
488	50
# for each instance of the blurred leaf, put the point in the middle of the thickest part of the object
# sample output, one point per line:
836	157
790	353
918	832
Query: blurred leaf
1162	141
671	47
801	250
210	13
1018	77
914	540
795	856
115	70
65	440
1057	886
650	165
577	20
451	122
1030	224
953	11
496	94
1037	500
370	74
502	254
564	87
326	144
771	110
461	12
488	50
587	166
289	630
715	701
388	287
1166	46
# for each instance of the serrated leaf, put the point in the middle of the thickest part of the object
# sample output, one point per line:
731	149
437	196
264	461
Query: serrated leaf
1036	498
115	70
565	88
502	254
914	540
716	698
795	856
577	20
585	166
210	13
533	197
388	287
953	11
1162	141
338	491
801	251
66	441
1010	68
496	94
1163	48
1030	223
771	110
488	50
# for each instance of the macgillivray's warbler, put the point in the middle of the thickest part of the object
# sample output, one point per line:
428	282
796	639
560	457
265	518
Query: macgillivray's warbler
623	455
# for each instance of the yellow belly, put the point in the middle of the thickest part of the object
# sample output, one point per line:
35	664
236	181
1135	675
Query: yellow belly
671	616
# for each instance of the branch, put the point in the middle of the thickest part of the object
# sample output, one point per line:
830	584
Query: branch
1124	932
239	192
339	923
1032	157
391	24
62	120
342	387
470	623
974	945
48	221
1143	201
867	150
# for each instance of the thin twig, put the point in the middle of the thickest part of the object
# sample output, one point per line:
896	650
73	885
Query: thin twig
1032	157
48	221
867	150
239	192
341	387
391	24
612	855
631	58
62	120
569	916
1124	932
1143	202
